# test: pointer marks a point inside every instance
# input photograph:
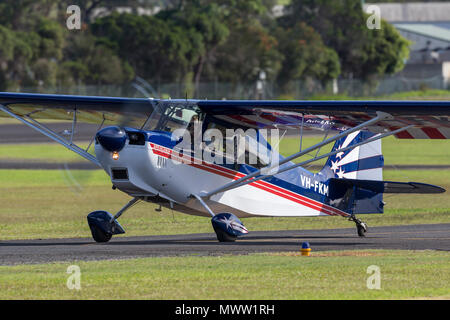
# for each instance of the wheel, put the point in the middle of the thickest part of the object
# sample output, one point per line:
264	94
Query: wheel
222	236
99	235
362	229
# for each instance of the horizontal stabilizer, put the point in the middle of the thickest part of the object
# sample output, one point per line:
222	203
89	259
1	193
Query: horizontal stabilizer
411	187
386	186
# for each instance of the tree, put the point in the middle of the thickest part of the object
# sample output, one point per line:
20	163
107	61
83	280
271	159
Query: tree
342	26
305	55
385	51
89	61
26	57
204	25
156	49
7	39
250	48
88	6
18	14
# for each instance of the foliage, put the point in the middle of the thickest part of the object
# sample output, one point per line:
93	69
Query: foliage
249	50
305	55
189	42
363	53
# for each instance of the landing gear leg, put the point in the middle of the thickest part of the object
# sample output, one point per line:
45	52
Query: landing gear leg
361	227
104	225
125	208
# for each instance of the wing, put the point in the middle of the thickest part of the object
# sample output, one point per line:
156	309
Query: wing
88	109
29	108
429	119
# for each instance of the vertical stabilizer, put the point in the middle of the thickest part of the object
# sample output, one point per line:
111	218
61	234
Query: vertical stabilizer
361	163
364	162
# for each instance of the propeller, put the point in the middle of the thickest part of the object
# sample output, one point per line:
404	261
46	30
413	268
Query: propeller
112	137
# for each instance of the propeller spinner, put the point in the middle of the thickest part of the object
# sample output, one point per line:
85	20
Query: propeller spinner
112	138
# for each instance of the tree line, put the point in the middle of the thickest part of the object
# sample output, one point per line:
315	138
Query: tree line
193	41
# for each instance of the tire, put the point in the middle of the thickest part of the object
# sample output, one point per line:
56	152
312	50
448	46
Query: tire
222	236
362	229
99	235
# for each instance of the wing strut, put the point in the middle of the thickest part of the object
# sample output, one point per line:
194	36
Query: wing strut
377	137
98	129
301	132
52	135
380	117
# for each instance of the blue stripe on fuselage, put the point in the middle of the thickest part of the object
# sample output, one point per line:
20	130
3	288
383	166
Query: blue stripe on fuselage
316	182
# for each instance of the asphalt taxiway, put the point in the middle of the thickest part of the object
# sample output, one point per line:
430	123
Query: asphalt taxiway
408	237
20	133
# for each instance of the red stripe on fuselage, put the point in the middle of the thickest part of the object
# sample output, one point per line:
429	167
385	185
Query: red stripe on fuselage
263	185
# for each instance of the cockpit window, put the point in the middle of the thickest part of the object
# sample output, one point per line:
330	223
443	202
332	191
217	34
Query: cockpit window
169	117
242	147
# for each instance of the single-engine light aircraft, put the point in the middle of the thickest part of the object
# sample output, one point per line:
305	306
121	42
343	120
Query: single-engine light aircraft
213	158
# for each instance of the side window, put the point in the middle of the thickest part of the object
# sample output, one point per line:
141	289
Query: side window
250	157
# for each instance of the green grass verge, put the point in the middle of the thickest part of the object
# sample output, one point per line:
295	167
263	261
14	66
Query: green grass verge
432	94
395	151
45	152
46	204
5	119
324	275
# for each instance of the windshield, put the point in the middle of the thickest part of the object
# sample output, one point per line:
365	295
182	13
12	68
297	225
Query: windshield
169	117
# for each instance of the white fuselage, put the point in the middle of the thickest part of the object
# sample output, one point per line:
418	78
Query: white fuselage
153	170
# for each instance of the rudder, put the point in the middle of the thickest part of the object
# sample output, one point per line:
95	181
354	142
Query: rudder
364	162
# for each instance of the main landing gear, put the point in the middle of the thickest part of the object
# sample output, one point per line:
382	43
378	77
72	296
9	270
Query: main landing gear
361	227
227	226
104	225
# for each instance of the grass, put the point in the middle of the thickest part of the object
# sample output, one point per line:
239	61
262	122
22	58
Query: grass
47	204
430	94
54	204
395	151
324	275
46	152
5	119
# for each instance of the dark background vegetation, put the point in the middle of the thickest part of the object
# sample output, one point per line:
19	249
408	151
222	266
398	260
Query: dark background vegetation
193	41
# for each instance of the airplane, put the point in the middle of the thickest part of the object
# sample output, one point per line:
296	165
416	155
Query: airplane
150	151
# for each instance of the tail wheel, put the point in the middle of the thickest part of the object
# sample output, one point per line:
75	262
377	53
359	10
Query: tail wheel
362	229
